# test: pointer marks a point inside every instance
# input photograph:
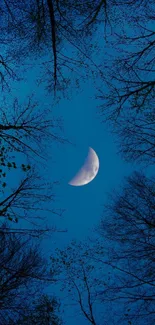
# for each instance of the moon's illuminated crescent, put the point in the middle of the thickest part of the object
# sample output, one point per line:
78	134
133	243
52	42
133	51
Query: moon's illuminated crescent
88	171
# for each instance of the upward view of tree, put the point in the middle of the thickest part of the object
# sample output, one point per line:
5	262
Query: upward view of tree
132	75
129	99
23	276
74	269
129	224
44	312
30	201
137	137
24	131
115	271
26	198
65	29
6	71
42	27
59	31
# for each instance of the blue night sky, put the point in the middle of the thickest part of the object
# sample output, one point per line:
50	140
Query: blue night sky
83	205
104	52
82	127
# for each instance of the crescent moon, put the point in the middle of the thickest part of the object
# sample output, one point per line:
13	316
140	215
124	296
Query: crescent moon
88	171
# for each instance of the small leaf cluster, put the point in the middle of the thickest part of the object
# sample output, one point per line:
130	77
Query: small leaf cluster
25	168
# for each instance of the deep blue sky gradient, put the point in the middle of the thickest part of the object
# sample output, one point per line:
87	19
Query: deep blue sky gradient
83	205
83	128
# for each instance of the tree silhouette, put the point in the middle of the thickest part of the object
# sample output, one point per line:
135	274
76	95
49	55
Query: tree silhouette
137	137
45	29
29	201
25	134
23	274
82	279
111	276
128	95
23	128
44	312
128	224
6	72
